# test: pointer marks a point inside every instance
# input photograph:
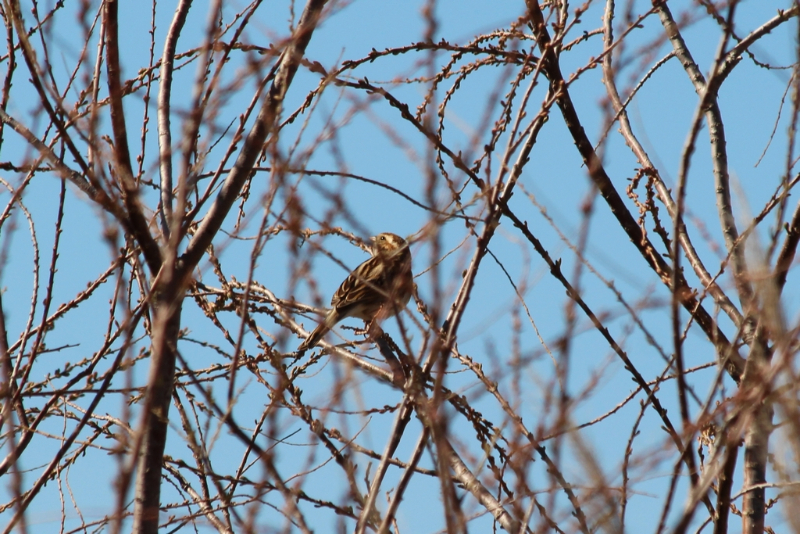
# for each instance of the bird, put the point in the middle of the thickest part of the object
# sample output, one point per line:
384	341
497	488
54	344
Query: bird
376	290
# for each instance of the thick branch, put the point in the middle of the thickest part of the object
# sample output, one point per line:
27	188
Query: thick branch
727	354
164	98
719	156
130	192
263	127
168	286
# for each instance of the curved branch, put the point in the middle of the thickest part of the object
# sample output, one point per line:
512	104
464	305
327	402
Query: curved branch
164	96
727	354
263	127
720	298
708	91
137	223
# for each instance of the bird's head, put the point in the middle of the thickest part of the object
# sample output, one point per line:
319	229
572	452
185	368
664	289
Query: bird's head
388	244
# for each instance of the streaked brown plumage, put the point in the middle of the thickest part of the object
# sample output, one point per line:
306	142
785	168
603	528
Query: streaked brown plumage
377	289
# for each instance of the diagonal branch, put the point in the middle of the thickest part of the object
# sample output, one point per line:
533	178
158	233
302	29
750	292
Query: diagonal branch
727	354
264	126
708	90
168	286
720	298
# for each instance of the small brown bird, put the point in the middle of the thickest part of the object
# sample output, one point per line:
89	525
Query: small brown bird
376	290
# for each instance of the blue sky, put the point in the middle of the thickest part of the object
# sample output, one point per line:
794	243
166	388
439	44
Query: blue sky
661	113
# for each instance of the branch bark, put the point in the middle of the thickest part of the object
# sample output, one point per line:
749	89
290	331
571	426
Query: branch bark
168	287
726	353
137	223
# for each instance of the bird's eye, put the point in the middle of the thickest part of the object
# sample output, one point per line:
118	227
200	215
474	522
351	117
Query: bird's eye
383	238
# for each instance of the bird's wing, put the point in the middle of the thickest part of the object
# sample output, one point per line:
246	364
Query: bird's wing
362	283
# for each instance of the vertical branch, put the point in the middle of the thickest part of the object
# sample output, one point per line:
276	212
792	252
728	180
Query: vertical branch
121	150
6	414
725	487
788	250
707	90
191	127
726	352
167	301
720	298
677	334
787	253
130	190
707	101
12	67
164	108
169	284
756	441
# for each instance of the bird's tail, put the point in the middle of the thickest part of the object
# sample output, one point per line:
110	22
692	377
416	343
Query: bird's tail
314	338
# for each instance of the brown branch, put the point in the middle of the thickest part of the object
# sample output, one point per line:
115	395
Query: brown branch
164	97
254	142
727	354
708	91
169	284
137	223
734	55
725	487
66	444
44	410
789	249
555	270
13	11
723	199
720	298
